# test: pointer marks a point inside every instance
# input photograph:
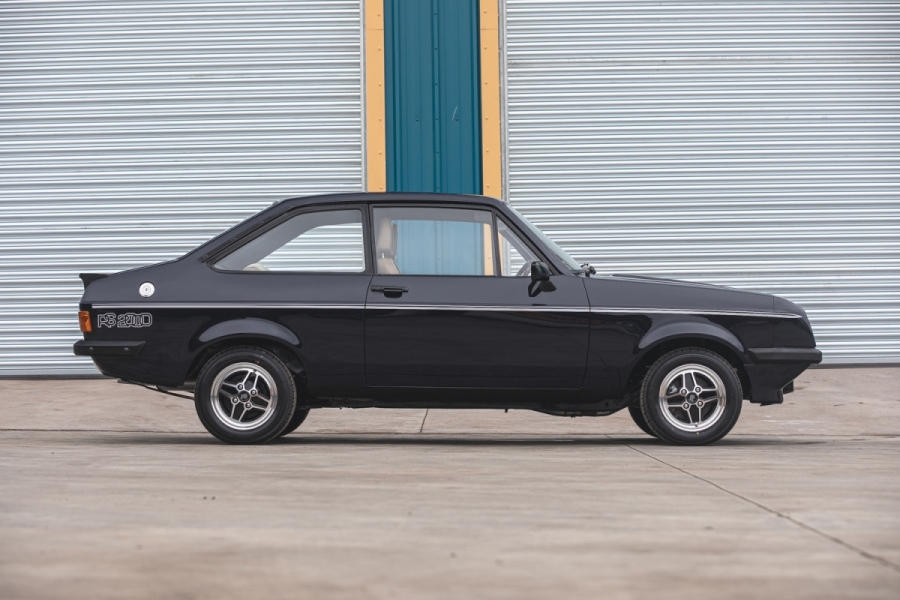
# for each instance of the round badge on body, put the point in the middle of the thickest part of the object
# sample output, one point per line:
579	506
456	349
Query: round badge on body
146	289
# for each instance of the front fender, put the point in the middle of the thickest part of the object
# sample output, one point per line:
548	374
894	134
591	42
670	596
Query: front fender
249	326
696	327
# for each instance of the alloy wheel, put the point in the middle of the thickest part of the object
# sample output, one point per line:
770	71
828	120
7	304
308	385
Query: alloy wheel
692	398
243	396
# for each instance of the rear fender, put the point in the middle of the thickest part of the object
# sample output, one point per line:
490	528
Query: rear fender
250	326
255	332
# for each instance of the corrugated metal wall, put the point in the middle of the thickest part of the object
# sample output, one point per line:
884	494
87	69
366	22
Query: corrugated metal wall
132	131
753	144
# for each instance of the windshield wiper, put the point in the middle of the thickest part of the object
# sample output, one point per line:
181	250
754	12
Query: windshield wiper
588	269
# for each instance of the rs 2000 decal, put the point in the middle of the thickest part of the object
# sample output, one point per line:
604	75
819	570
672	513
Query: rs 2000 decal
124	320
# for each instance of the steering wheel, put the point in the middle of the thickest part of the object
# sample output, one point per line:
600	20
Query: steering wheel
524	270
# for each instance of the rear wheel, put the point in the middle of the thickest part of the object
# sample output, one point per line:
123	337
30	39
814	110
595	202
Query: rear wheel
299	416
245	395
691	396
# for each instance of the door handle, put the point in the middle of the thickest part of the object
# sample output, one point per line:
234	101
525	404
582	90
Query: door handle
390	290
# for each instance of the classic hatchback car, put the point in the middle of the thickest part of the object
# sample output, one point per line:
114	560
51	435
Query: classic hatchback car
430	300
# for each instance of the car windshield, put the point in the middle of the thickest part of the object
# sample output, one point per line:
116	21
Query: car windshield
557	251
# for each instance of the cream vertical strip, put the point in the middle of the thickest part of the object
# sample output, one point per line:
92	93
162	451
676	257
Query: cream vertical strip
488	245
491	133
376	144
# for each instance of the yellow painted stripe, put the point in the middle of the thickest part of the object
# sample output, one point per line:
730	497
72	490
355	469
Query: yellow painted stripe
376	144
488	245
491	135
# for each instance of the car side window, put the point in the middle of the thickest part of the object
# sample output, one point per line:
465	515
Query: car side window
328	241
515	256
433	241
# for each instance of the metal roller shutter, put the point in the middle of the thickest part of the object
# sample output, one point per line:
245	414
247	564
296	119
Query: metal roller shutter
132	131
751	144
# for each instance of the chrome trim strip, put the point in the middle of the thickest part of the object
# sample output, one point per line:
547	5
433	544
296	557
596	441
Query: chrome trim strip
692	311
578	309
210	305
460	307
392	306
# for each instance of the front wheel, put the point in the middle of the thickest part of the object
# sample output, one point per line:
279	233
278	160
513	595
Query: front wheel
691	397
634	409
245	395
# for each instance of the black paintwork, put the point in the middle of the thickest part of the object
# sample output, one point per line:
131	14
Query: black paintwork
470	342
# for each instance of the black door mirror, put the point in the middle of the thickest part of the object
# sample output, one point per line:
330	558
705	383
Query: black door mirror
540	272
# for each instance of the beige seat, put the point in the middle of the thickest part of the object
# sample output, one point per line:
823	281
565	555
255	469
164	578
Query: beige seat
386	248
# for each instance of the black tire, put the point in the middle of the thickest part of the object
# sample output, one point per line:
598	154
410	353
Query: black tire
265	420
673	425
634	409
299	416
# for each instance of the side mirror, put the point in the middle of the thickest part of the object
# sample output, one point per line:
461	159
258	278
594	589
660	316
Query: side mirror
540	272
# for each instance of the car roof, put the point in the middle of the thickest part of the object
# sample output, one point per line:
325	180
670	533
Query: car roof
284	206
390	197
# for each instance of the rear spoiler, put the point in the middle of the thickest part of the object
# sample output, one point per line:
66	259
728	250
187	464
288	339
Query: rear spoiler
87	278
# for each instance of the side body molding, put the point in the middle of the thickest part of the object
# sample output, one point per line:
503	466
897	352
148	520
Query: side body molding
690	326
249	326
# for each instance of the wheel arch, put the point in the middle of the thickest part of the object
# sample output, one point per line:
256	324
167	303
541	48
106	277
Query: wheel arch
281	346
252	326
652	347
690	326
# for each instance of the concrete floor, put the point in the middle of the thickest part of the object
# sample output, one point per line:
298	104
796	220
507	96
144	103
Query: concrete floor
112	491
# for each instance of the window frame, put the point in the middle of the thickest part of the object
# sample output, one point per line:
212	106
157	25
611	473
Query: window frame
526	238
495	235
287	216
523	239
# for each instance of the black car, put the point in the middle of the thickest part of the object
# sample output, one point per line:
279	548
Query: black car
432	300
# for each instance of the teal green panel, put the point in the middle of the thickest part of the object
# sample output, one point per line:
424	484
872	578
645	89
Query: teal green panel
440	248
433	96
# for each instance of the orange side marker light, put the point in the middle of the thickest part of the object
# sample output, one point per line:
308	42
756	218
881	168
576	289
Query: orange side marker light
84	321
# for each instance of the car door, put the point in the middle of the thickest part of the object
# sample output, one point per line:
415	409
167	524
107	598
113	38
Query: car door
451	306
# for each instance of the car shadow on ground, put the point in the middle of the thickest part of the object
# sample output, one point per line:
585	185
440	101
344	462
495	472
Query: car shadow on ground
412	439
457	439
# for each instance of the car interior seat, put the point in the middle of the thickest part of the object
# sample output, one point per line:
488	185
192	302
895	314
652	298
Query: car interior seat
386	248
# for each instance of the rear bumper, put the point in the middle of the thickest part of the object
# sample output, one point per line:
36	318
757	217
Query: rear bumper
97	348
775	368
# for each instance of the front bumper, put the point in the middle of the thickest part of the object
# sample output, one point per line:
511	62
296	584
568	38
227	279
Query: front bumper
785	355
775	368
